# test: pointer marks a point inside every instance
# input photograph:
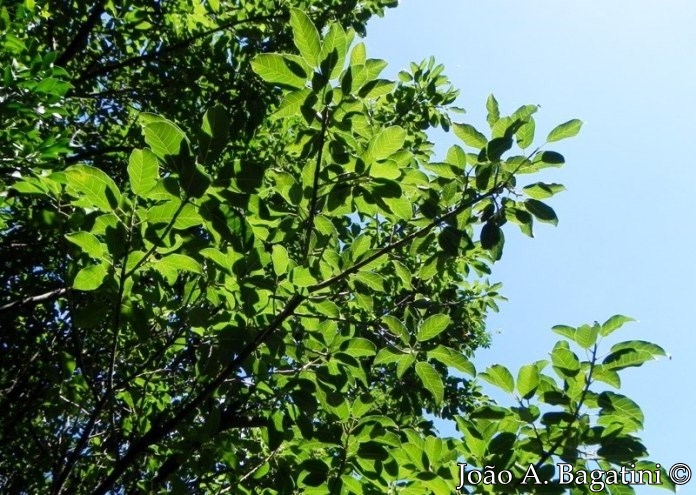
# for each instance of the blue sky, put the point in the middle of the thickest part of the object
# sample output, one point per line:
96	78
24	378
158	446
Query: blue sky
625	241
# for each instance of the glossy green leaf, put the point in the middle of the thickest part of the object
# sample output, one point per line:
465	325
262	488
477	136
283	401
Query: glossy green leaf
586	335
280	258
527	380
89	244
565	130
387	355
541	211
493	110
165	138
613	324
451	358
396	327
619	405
432	327
470	136
360	347
565	330
213	138
525	134
404	363
90	277
143	171
292	103
499	376
275	68
372	280
96	187
387	142
301	277
431	380
305	37
541	190
335	46
173	212
565	360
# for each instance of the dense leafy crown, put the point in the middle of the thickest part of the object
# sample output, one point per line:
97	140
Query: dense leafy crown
278	297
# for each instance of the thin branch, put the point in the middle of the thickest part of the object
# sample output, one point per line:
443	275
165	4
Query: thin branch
160	430
35	299
80	39
315	186
107	69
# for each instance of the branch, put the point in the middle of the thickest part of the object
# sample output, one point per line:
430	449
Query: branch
159	431
80	39
35	299
315	186
401	242
106	69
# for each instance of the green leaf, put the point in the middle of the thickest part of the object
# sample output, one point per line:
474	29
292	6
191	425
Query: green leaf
214	133
453	359
525	134
279	256
632	353
613	324
164	214
431	380
396	327
371	280
640	346
403	364
586	336
387	355
89	244
565	360
387	142
605	375
401	207
358	56
360	347
432	327
541	190
470	136
143	171
165	138
565	330
493	110
292	103
171	265
305	37
90	277
275	68
97	187
301	277
541	211
565	130
621	406
527	380
335	45
499	376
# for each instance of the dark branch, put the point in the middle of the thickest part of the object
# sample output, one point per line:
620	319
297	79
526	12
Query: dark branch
34	299
80	39
107	69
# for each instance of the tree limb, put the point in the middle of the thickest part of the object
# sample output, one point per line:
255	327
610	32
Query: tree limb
35	299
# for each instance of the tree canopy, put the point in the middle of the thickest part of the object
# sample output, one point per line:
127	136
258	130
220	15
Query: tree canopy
232	263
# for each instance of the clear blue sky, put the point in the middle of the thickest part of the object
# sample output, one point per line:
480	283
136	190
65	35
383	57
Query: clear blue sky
625	241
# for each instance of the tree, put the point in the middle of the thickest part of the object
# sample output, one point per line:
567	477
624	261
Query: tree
277	296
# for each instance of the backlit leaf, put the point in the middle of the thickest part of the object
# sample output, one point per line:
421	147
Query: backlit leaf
431	380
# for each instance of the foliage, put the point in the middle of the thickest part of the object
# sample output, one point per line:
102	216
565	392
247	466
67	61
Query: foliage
275	298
